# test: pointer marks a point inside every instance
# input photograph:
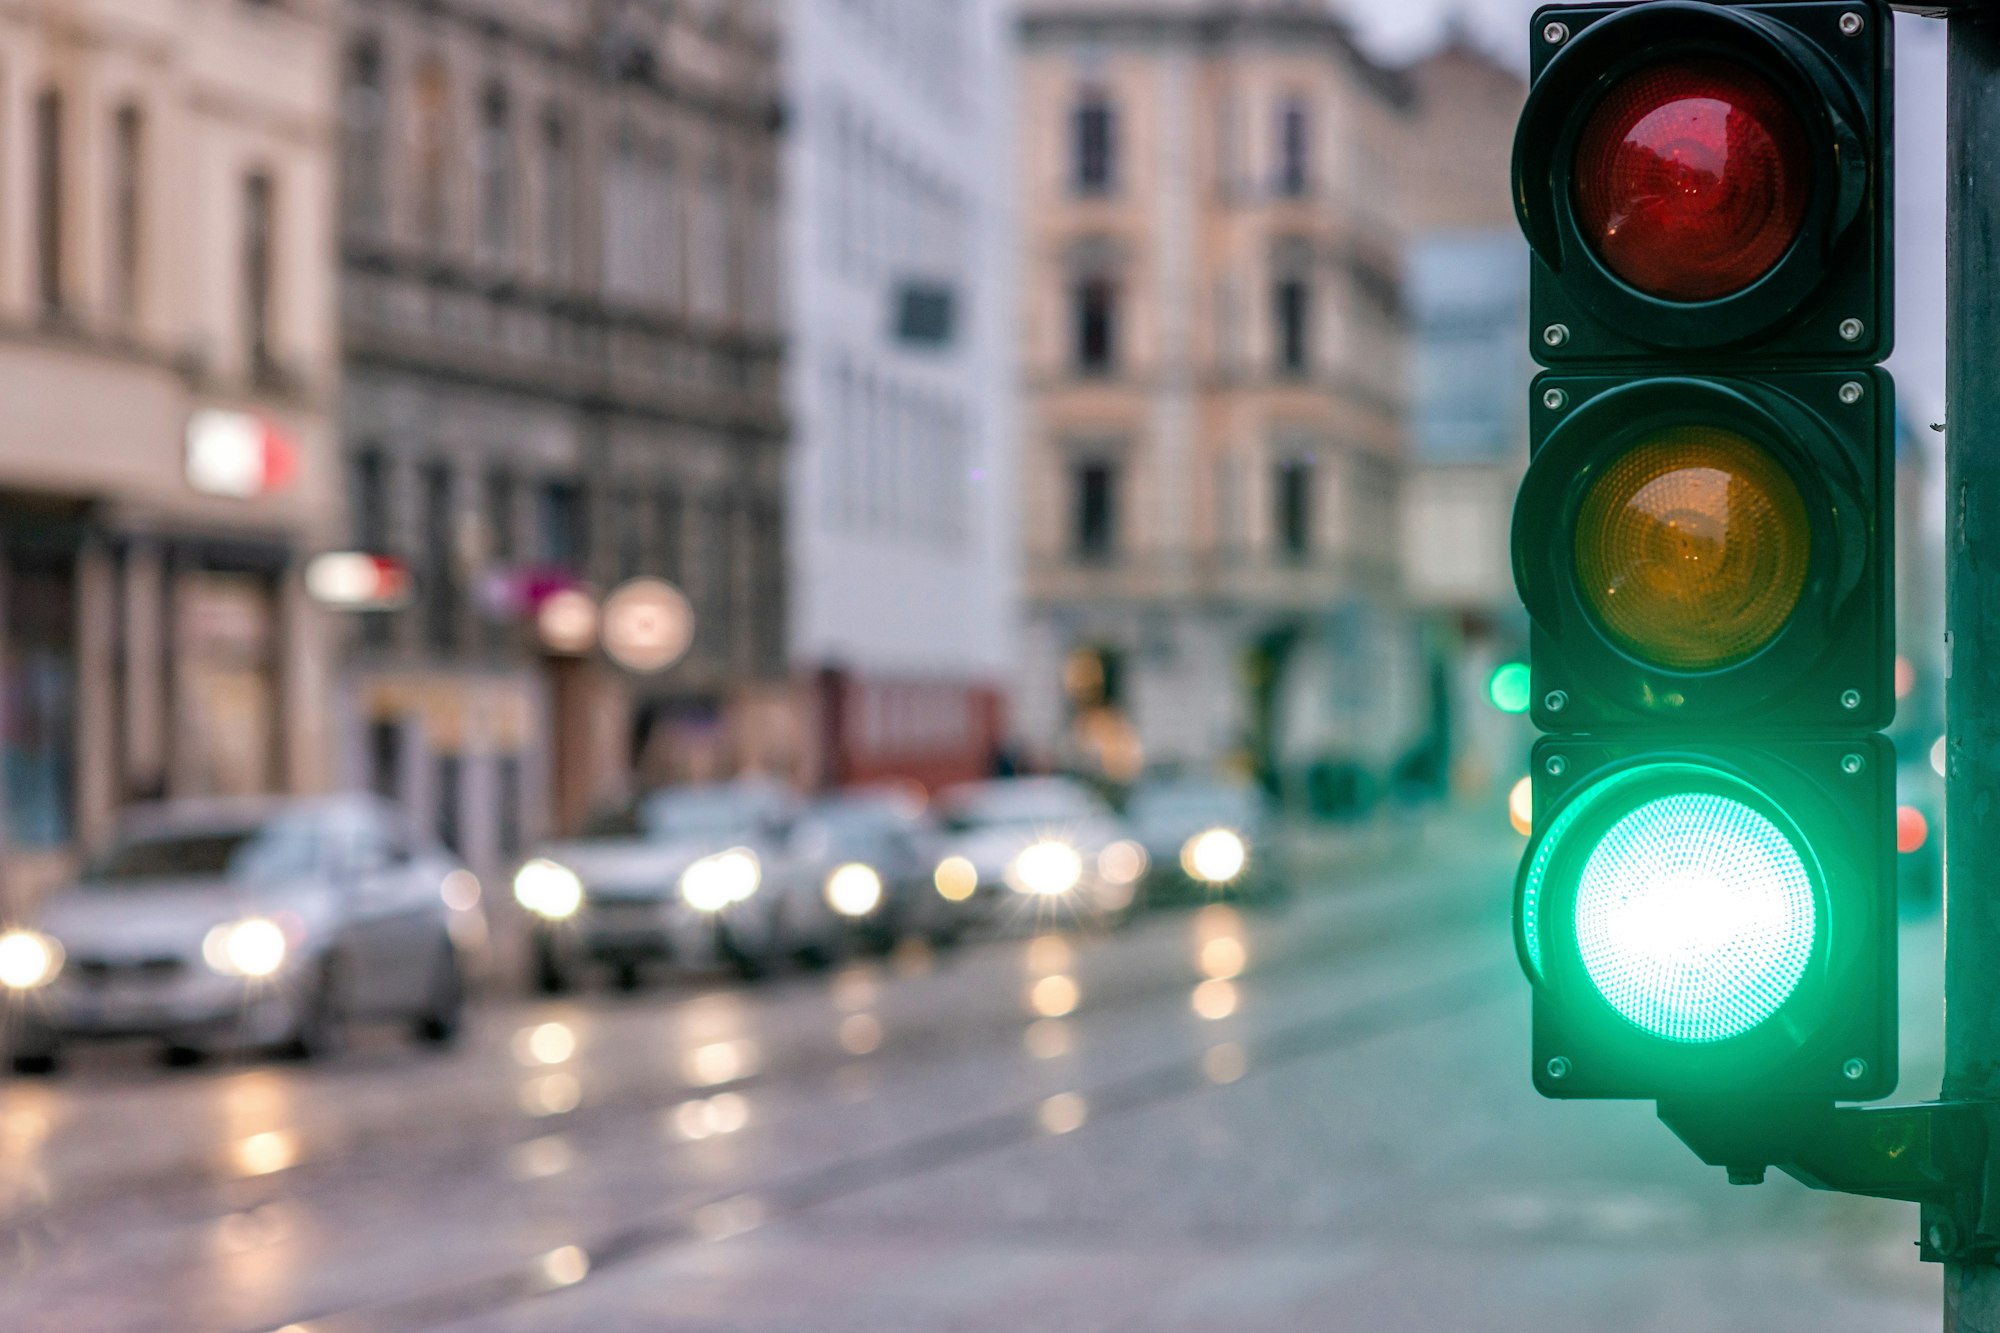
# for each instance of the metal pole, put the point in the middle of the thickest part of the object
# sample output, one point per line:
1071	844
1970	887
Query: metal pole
1972	596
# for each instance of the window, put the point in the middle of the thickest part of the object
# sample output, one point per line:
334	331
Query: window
559	524
667	534
1292	309
1292	494
1294	148
370	498
1096	508
259	270
362	121
558	199
49	211
126	223
440	573
1094	132
428	134
500	516
496	172
1095	314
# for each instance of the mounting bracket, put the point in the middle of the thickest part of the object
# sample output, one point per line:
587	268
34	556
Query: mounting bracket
1934	1154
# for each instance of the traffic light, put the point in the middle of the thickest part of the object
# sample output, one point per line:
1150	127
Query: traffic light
1703	542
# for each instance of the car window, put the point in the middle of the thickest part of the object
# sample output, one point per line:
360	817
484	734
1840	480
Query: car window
252	854
703	812
1166	804
1019	804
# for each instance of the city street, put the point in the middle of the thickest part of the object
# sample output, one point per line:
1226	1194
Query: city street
1308	1118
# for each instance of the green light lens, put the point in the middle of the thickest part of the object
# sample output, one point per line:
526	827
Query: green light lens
1508	688
1695	917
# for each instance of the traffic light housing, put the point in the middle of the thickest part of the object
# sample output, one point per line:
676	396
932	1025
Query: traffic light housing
1708	919
1694	178
1704	544
1709	549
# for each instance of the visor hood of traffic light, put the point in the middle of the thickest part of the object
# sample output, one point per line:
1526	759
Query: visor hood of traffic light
1689	544
1706	913
1688	170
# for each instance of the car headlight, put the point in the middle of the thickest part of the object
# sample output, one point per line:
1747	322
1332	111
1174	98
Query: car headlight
28	959
956	878
1121	862
549	890
1215	856
854	890
1048	868
714	882
254	947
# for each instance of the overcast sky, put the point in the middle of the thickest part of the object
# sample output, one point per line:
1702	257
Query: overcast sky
1398	29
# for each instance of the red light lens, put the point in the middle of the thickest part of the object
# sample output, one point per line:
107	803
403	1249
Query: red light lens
1692	179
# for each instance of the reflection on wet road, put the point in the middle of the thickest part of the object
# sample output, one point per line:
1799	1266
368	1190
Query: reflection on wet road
1213	1119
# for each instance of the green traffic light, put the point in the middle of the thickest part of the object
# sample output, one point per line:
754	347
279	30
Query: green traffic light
1508	687
1695	917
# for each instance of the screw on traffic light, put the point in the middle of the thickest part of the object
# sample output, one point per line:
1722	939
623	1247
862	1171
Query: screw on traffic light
1703	542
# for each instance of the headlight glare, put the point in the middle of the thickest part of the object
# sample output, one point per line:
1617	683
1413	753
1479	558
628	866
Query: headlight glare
956	878
28	959
549	890
1047	868
1121	862
854	890
253	948
1215	856
714	882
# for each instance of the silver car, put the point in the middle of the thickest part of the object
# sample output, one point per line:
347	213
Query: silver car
1040	850
268	923
696	875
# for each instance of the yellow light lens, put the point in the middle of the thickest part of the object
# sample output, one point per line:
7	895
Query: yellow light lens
1692	548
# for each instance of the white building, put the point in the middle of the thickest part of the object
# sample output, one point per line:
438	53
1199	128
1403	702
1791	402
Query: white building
900	528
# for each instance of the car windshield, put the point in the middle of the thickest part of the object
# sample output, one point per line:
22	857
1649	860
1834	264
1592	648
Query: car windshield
249	854
1025	804
708	813
1183	802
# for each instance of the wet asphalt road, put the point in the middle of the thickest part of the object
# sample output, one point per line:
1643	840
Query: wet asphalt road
1308	1119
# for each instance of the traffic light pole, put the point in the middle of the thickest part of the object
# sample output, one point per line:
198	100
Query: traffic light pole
1972	591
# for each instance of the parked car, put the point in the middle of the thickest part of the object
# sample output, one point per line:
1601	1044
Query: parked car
1037	846
1203	838
697	875
267	923
870	852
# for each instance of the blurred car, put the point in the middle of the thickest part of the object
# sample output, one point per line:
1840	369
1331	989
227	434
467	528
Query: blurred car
269	923
1016	847
696	875
869	850
1203	837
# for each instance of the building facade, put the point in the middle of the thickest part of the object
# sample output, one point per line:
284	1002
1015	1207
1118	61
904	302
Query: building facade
169	365
901	534
1470	368
1214	360
562	326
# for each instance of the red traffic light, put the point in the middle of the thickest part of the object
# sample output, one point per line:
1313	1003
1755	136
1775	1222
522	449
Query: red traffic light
1693	178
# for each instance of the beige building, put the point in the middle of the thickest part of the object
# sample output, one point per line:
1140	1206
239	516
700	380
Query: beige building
1213	423
562	326
1467	298
168	365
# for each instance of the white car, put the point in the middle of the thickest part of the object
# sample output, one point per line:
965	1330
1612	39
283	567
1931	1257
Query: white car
1042	849
270	923
697	875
